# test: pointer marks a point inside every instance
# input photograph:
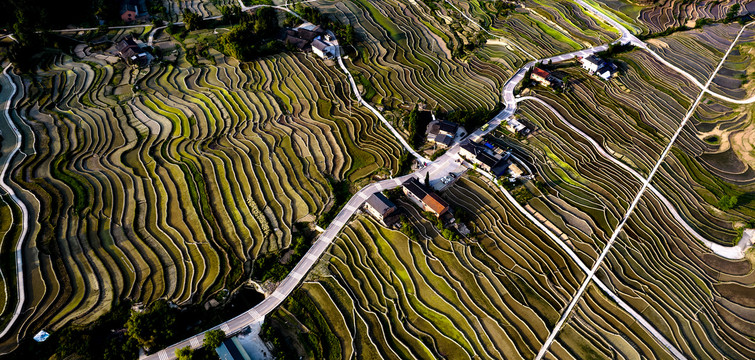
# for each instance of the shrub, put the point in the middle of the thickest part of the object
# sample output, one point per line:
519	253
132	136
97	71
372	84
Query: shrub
727	202
213	338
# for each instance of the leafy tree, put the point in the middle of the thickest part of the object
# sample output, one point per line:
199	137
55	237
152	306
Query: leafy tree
192	20
732	13
185	353
153	327
213	338
727	202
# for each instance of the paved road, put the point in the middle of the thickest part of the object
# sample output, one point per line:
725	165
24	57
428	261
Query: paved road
6	159
730	252
632	206
288	284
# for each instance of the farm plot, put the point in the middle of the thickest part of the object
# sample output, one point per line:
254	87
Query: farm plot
403	59
709	174
696	51
584	195
634	114
494	296
657	16
696	299
736	77
169	182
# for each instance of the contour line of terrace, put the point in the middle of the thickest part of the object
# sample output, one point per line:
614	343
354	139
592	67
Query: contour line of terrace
286	286
508	111
625	218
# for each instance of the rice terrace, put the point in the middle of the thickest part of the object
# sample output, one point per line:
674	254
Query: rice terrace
377	179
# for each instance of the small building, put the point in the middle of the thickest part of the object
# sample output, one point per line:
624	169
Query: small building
515	171
132	10
133	53
442	133
517	127
379	206
41	336
231	349
541	76
424	198
595	65
485	158
323	49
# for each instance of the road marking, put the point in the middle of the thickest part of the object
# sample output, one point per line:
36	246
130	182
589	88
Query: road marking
311	256
253	313
226	329
297	275
162	355
278	295
195	342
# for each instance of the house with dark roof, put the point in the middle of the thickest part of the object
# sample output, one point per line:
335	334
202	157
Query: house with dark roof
379	206
425	198
132	53
442	132
231	349
322	48
485	158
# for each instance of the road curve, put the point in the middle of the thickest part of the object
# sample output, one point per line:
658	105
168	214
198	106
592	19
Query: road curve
24	211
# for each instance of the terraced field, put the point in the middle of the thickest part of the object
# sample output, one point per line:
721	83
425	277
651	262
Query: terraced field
657	16
172	180
695	298
404	58
493	296
698	51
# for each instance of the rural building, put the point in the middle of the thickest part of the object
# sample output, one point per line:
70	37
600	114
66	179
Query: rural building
515	171
231	349
379	206
302	37
517	127
442	133
595	65
133	53
541	76
132	10
424	198
323	49
485	157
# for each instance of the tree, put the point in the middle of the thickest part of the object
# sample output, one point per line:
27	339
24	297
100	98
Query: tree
151	327
727	202
192	20
185	353
213	338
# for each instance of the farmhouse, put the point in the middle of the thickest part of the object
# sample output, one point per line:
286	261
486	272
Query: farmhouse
426	199
598	66
442	133
132	10
302	37
133	53
323	48
517	127
485	158
379	206
541	76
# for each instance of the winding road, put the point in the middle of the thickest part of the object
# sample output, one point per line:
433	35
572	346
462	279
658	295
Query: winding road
436	169
6	159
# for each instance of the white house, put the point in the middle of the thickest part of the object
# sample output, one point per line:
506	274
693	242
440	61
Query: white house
592	63
323	49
